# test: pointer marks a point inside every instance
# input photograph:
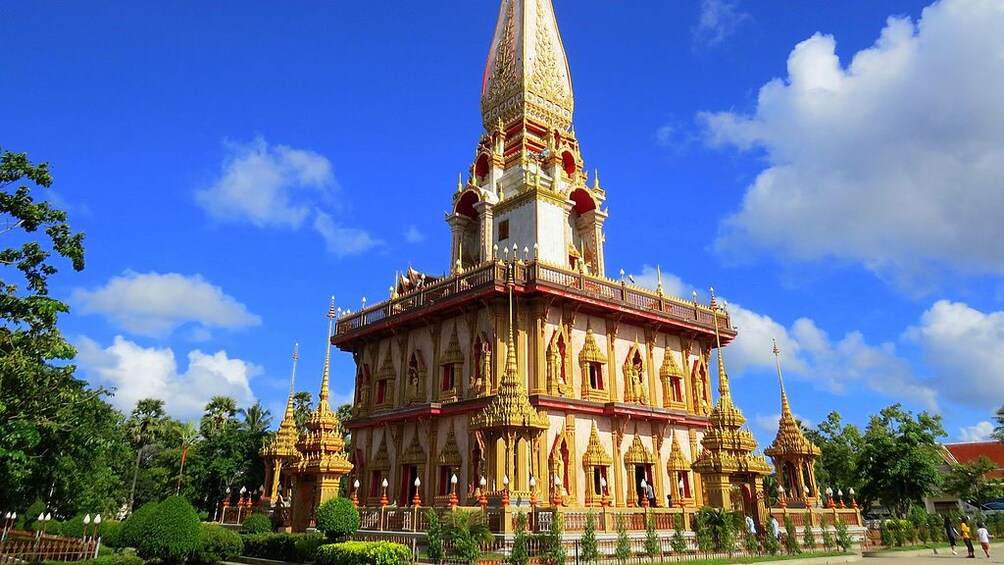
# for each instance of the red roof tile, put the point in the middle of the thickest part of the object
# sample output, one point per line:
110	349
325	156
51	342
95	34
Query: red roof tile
971	451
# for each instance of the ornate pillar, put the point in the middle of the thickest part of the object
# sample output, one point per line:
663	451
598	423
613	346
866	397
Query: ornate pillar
653	373
618	486
458	224
486	219
698	483
659	471
596	219
538	346
611	331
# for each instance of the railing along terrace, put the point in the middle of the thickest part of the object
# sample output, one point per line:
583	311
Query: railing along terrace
23	547
526	273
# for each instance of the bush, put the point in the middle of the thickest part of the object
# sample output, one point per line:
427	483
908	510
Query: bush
172	532
112	559
623	549
703	531
111	533
283	547
467	531
363	553
27	518
131	531
843	537
216	544
653	546
338	519
826	536
590	551
257	524
433	536
808	537
553	546
790	537
678	542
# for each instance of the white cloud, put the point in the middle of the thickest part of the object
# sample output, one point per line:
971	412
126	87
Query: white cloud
978	432
768	424
136	372
154	304
341	240
672	285
413	235
808	353
718	20
262	184
894	161
962	345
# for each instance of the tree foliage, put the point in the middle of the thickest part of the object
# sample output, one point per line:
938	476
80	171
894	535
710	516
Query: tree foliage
338	519
590	549
839	445
622	551
434	535
520	554
466	532
898	463
971	483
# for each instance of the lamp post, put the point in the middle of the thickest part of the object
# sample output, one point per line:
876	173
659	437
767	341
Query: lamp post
829	497
533	492
644	493
453	491
8	523
557	491
240	503
505	490
355	493
96	537
417	500
383	497
781	501
840	498
483	499
604	499
682	490
225	504
805	491
854	503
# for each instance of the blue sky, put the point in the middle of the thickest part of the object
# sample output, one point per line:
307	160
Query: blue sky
832	169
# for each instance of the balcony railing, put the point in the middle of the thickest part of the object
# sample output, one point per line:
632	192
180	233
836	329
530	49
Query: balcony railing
535	274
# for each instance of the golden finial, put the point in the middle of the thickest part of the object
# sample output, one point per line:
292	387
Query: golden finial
658	274
292	380
723	379
785	408
322	404
460	182
596	180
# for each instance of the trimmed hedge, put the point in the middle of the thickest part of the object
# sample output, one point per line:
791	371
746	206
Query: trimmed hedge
257	524
300	548
338	519
172	532
363	553
132	530
216	544
113	559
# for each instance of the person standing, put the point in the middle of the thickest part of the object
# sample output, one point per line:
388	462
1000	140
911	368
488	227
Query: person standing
775	528
967	537
951	534
984	536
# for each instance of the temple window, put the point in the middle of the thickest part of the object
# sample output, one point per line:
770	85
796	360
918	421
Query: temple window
683	483
676	385
381	395
596	376
451	364
449	377
443	483
503	230
592	362
375	480
595	462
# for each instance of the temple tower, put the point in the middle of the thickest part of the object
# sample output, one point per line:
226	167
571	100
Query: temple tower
281	451
727	458
793	454
322	459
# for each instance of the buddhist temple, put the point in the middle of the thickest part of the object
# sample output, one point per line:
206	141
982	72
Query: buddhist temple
526	372
793	454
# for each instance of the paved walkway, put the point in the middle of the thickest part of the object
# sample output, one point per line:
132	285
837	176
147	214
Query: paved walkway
944	556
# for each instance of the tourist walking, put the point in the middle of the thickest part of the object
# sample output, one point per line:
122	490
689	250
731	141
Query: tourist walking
984	536
967	537
951	533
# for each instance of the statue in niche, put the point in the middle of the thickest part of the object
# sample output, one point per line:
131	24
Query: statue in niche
364	395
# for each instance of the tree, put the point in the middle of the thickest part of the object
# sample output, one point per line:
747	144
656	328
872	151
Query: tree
839	446
145	425
590	550
40	398
467	531
898	464
434	536
554	547
970	481
622	551
255	421
302	405
790	537
188	434
999	428
520	554
678	542
652	545
218	414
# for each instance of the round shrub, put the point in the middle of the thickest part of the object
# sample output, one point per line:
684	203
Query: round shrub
306	547
216	544
110	532
363	553
338	519
172	532
257	524
131	531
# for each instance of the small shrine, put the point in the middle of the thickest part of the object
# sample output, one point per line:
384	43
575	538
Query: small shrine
726	462
793	454
281	451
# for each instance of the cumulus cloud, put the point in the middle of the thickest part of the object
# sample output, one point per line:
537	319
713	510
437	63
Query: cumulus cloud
341	240
413	235
276	186
809	353
260	184
768	424
962	345
979	432
135	372
672	285
717	21
154	304
893	161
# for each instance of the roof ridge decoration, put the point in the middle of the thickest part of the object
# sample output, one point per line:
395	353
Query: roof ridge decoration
510	407
591	352
414	454
789	440
637	452
677	460
527	73
595	455
381	459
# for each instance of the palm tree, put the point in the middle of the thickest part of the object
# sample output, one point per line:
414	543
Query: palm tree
302	402
188	433
218	414
467	532
144	426
256	420
999	430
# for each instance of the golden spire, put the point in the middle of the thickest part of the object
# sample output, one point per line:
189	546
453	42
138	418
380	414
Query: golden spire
723	378
283	444
292	379
527	74
322	403
785	408
789	440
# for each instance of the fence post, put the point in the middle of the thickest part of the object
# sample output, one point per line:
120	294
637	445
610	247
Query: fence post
576	551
